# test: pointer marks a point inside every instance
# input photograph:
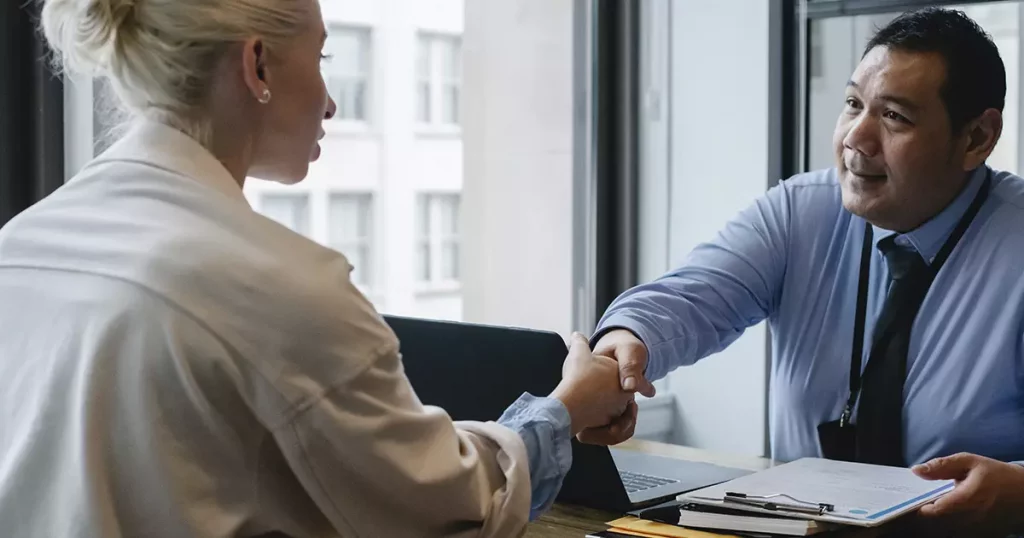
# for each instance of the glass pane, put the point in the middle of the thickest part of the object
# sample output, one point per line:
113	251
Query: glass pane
450	58
423	215
290	210
346	70
359	100
349	218
362	265
450	105
359	257
423	102
449	209
835	48
450	261
348	94
350	232
423	49
457	60
348	49
423	261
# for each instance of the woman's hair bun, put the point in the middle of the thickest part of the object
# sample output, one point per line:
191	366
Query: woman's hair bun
84	33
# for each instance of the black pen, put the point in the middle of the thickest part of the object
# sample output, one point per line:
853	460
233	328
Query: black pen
762	502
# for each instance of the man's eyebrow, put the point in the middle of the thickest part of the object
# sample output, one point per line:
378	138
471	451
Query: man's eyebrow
899	100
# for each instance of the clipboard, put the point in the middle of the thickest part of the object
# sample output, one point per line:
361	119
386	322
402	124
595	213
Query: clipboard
831	491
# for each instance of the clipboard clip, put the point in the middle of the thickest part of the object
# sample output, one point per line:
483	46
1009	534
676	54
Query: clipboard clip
766	502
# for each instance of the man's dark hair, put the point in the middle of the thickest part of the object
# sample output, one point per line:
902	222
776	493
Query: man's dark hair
975	75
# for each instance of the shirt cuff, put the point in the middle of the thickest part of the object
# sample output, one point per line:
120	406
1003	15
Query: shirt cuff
545	427
654	370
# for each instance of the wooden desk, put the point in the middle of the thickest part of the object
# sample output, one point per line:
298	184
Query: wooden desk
564	521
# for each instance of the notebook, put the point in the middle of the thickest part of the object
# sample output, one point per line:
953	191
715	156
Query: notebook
721	518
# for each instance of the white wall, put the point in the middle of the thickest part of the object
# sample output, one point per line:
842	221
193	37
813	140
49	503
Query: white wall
517	205
719	158
442	16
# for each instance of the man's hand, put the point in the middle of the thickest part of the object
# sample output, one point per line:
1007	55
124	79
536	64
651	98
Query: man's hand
988	499
631	354
590	388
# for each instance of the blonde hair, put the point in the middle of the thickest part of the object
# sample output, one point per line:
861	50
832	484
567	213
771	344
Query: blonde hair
159	56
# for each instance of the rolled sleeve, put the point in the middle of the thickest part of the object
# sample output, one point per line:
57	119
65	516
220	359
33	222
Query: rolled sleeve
545	427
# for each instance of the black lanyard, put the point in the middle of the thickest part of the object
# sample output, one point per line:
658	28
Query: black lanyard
862	289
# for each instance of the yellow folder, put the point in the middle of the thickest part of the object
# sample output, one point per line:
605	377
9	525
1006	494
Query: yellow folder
652	529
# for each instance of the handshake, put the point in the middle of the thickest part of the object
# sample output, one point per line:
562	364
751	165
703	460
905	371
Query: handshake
598	388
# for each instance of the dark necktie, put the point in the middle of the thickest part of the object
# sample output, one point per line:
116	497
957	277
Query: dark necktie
880	412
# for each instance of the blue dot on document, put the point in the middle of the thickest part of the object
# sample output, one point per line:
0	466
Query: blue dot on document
859	512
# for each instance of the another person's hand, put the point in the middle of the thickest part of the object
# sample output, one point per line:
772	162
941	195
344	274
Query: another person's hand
590	388
988	499
631	354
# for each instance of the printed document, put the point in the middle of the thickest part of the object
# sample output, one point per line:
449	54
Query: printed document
860	494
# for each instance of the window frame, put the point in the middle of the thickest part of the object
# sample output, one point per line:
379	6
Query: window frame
365	35
366	240
435	240
820	9
305	195
33	147
437	81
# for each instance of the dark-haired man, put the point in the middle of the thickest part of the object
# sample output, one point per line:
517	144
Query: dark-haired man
892	282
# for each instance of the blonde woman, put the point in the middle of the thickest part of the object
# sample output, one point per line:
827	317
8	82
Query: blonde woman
174	364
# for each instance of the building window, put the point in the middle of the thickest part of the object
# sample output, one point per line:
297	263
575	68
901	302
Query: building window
438	249
291	210
346	70
439	79
350	231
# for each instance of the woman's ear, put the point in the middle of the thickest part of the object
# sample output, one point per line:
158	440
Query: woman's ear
254	70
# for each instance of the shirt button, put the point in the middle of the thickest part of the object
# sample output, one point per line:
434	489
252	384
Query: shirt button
902	241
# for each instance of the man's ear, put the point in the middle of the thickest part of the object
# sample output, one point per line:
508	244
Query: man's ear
982	135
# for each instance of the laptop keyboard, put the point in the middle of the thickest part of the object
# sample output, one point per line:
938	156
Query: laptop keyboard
635	482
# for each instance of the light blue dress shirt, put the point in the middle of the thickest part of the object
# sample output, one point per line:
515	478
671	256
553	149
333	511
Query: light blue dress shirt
544	425
793	258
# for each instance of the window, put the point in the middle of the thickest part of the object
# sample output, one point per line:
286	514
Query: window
350	232
438	251
347	70
439	79
291	210
836	46
691	131
398	65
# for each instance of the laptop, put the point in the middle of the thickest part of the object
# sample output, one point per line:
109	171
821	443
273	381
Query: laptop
475	372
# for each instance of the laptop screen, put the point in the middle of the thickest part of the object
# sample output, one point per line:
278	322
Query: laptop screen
476	371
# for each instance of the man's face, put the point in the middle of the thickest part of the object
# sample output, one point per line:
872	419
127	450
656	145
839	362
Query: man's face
899	163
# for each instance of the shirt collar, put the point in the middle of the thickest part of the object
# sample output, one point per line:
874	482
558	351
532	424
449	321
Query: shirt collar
928	238
160	145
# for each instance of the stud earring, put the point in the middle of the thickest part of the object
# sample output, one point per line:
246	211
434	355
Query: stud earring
265	97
